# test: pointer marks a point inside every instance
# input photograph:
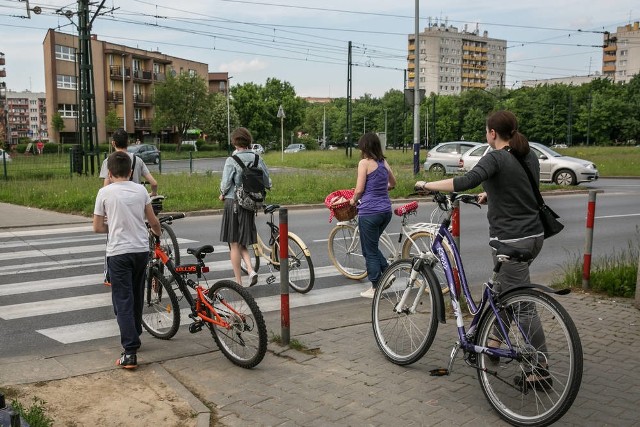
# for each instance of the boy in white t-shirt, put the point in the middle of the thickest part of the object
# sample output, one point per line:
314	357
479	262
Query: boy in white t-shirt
127	205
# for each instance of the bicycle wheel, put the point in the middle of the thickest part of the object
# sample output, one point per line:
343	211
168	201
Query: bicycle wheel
420	242
404	334
245	341
255	259
169	243
345	252
301	273
538	386
160	310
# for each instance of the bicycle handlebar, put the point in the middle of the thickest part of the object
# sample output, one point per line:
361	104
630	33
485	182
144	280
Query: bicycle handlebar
170	218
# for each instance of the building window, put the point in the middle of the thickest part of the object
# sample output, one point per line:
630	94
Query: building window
68	110
192	73
67	82
66	53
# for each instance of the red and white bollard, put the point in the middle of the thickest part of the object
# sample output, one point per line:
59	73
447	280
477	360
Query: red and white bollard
588	243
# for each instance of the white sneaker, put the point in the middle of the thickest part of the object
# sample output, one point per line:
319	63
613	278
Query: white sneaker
369	293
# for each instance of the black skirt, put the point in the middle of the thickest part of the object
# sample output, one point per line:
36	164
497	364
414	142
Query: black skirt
238	224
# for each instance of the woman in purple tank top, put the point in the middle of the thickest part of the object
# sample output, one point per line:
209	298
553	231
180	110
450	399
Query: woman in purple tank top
375	179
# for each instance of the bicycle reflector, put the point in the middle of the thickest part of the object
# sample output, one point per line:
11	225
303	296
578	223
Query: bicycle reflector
205	269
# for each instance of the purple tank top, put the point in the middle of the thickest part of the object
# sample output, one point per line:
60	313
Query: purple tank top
376	199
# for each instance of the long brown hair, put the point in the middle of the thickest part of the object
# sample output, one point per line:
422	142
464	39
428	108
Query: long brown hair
506	126
370	147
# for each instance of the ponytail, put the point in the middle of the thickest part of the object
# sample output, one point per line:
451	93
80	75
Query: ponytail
506	126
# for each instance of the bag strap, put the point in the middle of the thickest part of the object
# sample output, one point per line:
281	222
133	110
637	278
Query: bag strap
133	167
255	162
534	187
237	159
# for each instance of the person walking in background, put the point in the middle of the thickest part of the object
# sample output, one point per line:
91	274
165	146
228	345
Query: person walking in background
119	141
512	210
374	181
127	205
40	146
239	224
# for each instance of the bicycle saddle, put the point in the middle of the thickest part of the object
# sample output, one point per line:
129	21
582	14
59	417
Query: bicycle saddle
515	254
201	251
405	209
271	208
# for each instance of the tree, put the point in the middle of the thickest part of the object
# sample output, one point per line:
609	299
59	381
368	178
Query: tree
214	119
58	125
111	121
180	102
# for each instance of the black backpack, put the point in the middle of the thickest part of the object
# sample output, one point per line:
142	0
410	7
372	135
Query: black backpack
251	191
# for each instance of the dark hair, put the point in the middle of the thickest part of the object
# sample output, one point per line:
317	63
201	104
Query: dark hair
241	138
370	146
506	126
119	164
121	138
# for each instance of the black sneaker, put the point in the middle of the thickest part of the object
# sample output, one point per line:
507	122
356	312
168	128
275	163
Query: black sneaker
127	361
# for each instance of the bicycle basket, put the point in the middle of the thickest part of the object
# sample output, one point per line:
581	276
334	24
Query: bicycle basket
338	203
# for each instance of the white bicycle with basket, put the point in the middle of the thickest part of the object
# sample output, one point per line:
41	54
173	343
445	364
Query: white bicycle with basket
344	246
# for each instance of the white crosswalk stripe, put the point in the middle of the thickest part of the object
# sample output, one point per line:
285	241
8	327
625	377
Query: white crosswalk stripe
78	249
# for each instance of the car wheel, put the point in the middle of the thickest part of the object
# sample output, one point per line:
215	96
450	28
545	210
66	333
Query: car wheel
437	169
565	177
156	160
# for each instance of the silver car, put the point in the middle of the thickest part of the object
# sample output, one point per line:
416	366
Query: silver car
554	167
295	148
444	157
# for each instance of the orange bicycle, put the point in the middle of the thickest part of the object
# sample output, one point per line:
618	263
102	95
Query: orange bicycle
226	308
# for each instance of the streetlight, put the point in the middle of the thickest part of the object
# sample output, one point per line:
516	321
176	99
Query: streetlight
228	118
281	116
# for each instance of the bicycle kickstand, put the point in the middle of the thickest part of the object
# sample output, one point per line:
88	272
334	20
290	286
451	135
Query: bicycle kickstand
439	372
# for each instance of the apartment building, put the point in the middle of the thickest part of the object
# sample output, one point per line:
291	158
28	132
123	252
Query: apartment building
124	79
26	116
219	83
453	61
621	53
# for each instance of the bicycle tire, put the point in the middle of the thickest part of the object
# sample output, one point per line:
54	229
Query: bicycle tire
169	243
245	342
422	240
301	272
160	310
255	259
504	381
345	252
404	337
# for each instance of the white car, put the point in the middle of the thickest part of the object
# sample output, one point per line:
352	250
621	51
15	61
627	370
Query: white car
295	148
554	167
444	157
4	156
257	148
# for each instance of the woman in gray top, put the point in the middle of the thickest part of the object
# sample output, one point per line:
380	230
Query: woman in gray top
512	207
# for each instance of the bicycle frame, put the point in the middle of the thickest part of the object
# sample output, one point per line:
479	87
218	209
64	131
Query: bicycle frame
199	304
264	251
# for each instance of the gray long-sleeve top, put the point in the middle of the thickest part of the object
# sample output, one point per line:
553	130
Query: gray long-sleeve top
512	207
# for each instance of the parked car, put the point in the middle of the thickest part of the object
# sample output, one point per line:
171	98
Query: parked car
554	167
444	157
295	148
332	147
559	146
147	152
257	148
4	156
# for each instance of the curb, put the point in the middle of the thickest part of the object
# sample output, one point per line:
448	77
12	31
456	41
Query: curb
204	413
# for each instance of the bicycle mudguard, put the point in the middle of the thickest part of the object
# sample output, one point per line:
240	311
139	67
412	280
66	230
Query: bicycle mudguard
304	247
543	288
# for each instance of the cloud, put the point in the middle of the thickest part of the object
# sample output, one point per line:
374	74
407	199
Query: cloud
240	66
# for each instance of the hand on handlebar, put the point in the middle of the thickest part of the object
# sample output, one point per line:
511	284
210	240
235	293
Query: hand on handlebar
419	188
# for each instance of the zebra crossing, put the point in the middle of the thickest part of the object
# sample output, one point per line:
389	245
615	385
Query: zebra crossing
51	279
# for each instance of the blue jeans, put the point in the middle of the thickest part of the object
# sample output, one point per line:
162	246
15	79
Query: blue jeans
371	228
128	273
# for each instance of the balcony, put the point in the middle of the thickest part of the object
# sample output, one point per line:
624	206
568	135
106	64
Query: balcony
3	73
142	123
608	68
159	77
141	98
610	48
2	59
142	75
609	58
114	97
115	72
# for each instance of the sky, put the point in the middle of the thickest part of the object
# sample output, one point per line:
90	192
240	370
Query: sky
305	42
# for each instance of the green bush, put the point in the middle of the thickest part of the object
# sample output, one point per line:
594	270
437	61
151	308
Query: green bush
199	143
204	147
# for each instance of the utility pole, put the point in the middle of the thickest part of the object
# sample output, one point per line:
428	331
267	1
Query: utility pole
229	117
324	127
281	116
348	147
416	95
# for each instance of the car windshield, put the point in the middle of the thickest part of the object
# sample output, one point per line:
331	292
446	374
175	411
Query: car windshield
292	146
546	150
133	148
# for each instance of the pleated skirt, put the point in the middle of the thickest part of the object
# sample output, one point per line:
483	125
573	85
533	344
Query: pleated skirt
238	224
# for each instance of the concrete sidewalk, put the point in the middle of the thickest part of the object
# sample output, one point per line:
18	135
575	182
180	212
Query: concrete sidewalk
346	380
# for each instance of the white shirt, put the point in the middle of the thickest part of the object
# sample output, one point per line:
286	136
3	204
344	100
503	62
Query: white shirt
139	170
123	203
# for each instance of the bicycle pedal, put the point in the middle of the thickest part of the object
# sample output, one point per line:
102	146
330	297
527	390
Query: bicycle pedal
195	327
440	372
271	280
